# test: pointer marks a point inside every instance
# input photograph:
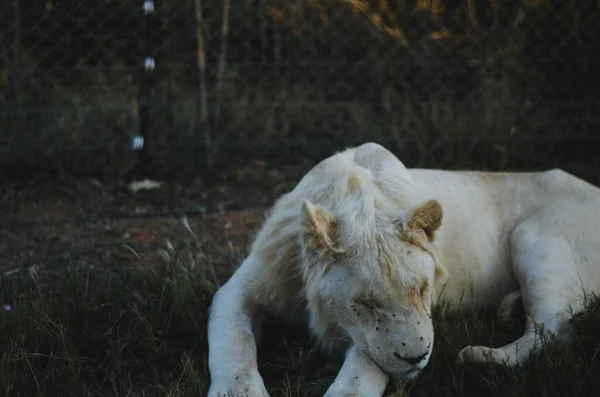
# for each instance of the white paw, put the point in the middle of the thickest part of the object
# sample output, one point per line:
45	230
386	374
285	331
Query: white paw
341	389
250	387
475	354
336	390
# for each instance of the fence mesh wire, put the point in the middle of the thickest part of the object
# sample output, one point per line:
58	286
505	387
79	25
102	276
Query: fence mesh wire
211	84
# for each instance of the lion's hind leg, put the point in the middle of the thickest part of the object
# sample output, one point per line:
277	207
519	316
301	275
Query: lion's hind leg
546	271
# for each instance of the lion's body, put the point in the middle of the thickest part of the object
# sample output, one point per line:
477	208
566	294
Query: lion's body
529	234
489	214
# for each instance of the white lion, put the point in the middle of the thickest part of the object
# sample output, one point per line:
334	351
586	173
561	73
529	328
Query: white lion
359	252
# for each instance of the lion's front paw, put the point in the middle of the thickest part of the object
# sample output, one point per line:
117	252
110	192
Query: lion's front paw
338	390
342	389
251	387
235	391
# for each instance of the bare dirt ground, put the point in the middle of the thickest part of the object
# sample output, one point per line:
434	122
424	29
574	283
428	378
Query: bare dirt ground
111	226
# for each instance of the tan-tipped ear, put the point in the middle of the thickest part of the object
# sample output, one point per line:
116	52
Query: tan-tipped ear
318	226
426	216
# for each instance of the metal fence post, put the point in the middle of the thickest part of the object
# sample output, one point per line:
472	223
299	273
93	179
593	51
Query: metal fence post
142	140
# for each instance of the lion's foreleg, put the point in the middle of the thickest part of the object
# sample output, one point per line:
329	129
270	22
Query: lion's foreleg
359	376
232	356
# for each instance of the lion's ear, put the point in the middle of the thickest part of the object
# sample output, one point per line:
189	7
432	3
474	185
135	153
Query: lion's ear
318	226
426	216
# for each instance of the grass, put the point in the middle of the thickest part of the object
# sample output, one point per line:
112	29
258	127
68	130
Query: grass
112	331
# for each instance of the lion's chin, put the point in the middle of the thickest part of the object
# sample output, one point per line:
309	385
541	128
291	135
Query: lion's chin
408	376
413	375
399	378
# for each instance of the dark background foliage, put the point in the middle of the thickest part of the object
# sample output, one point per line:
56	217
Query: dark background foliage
455	83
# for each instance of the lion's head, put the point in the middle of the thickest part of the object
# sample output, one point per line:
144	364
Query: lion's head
371	274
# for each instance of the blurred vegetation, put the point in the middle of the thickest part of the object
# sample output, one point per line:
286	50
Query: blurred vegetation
443	83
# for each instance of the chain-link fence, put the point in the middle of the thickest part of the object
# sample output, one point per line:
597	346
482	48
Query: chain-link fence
204	83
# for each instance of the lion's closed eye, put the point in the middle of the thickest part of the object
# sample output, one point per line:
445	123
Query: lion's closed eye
367	303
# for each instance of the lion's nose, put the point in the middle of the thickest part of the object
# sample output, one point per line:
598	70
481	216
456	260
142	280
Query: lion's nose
412	360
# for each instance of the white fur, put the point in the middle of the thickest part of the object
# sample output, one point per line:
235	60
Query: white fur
357	225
